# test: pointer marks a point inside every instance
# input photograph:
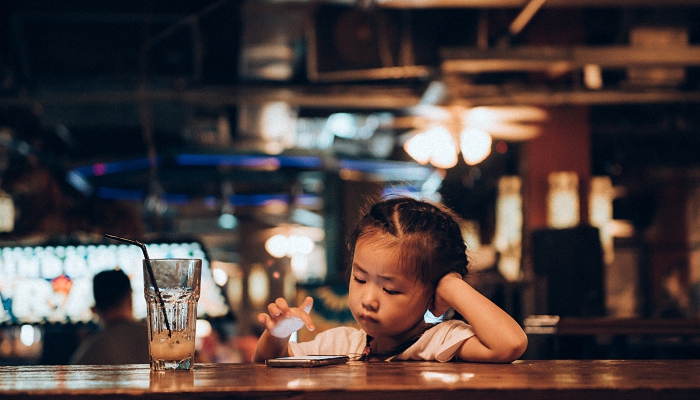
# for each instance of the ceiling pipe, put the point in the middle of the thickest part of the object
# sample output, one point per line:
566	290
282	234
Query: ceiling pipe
520	21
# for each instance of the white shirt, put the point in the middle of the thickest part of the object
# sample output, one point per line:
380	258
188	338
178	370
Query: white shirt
439	343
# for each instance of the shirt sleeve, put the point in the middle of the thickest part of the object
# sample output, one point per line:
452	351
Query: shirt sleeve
439	343
335	341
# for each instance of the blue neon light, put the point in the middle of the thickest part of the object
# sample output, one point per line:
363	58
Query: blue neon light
101	169
249	161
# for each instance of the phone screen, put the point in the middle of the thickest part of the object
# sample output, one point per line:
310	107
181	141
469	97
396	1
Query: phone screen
306	361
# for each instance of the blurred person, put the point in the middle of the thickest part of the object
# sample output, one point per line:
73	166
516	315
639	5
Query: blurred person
122	339
217	347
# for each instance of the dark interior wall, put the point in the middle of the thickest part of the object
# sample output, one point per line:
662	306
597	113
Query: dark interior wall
564	145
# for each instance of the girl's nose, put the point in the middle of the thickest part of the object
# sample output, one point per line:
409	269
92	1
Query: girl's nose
369	300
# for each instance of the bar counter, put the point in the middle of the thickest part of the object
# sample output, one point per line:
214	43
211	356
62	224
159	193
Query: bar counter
570	379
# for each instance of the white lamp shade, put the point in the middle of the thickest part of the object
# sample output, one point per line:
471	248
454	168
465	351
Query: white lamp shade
475	145
442	147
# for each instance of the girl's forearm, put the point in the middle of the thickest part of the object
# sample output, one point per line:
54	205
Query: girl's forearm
270	347
495	329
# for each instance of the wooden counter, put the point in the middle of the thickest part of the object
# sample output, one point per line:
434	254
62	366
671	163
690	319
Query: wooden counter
678	379
629	326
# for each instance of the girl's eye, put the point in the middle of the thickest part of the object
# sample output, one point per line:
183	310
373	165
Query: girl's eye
392	291
358	280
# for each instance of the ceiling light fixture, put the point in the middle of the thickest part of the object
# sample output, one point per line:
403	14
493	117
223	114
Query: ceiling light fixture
435	140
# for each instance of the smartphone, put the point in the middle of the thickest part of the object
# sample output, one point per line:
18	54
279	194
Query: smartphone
306	361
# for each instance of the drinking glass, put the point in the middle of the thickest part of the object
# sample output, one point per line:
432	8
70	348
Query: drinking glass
171	303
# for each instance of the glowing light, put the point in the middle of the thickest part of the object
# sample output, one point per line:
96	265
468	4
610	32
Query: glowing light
506	122
440	376
601	213
228	221
62	284
563	201
99	169
298	244
26	335
435	145
342	125
621	228
300	266
220	276
297	383
509	223
501	147
203	328
446	377
486	116
277	246
475	145
258	286
275	120
593	76
443	148
281	245
418	148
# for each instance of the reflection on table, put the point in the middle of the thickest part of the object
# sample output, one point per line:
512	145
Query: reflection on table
618	379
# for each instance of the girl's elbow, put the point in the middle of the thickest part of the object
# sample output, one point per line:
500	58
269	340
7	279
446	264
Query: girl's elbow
512	351
515	350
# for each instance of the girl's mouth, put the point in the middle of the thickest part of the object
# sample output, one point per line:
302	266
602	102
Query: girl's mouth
368	319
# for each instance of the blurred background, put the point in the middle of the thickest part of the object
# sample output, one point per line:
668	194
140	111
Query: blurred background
251	133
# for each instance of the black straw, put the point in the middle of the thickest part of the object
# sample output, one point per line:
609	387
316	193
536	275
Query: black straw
150	274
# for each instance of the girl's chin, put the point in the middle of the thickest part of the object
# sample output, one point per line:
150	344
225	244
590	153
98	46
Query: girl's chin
371	329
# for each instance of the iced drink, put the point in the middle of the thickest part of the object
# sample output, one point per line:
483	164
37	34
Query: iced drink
172	321
177	349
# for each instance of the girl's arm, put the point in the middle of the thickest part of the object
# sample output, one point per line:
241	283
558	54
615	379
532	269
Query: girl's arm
280	323
499	338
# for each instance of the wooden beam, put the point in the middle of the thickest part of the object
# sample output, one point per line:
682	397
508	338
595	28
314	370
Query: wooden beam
559	59
522	3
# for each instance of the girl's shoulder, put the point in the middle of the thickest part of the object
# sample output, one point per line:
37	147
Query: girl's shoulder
440	342
450	327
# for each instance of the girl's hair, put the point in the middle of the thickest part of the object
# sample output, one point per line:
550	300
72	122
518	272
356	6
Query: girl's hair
428	237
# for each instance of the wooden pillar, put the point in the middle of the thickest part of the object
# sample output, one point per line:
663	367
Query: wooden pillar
564	145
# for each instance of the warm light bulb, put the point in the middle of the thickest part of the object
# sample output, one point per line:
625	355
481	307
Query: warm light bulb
342	125
417	148
220	276
515	123
563	200
258	286
442	148
486	116
475	145
26	335
203	328
299	244
300	266
274	120
277	246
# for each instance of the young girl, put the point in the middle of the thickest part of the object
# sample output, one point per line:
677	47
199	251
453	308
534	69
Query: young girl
408	256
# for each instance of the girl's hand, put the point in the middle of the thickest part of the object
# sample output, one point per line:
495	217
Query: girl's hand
284	320
447	285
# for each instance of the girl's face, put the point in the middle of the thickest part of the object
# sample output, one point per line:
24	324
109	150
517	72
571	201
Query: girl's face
385	302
